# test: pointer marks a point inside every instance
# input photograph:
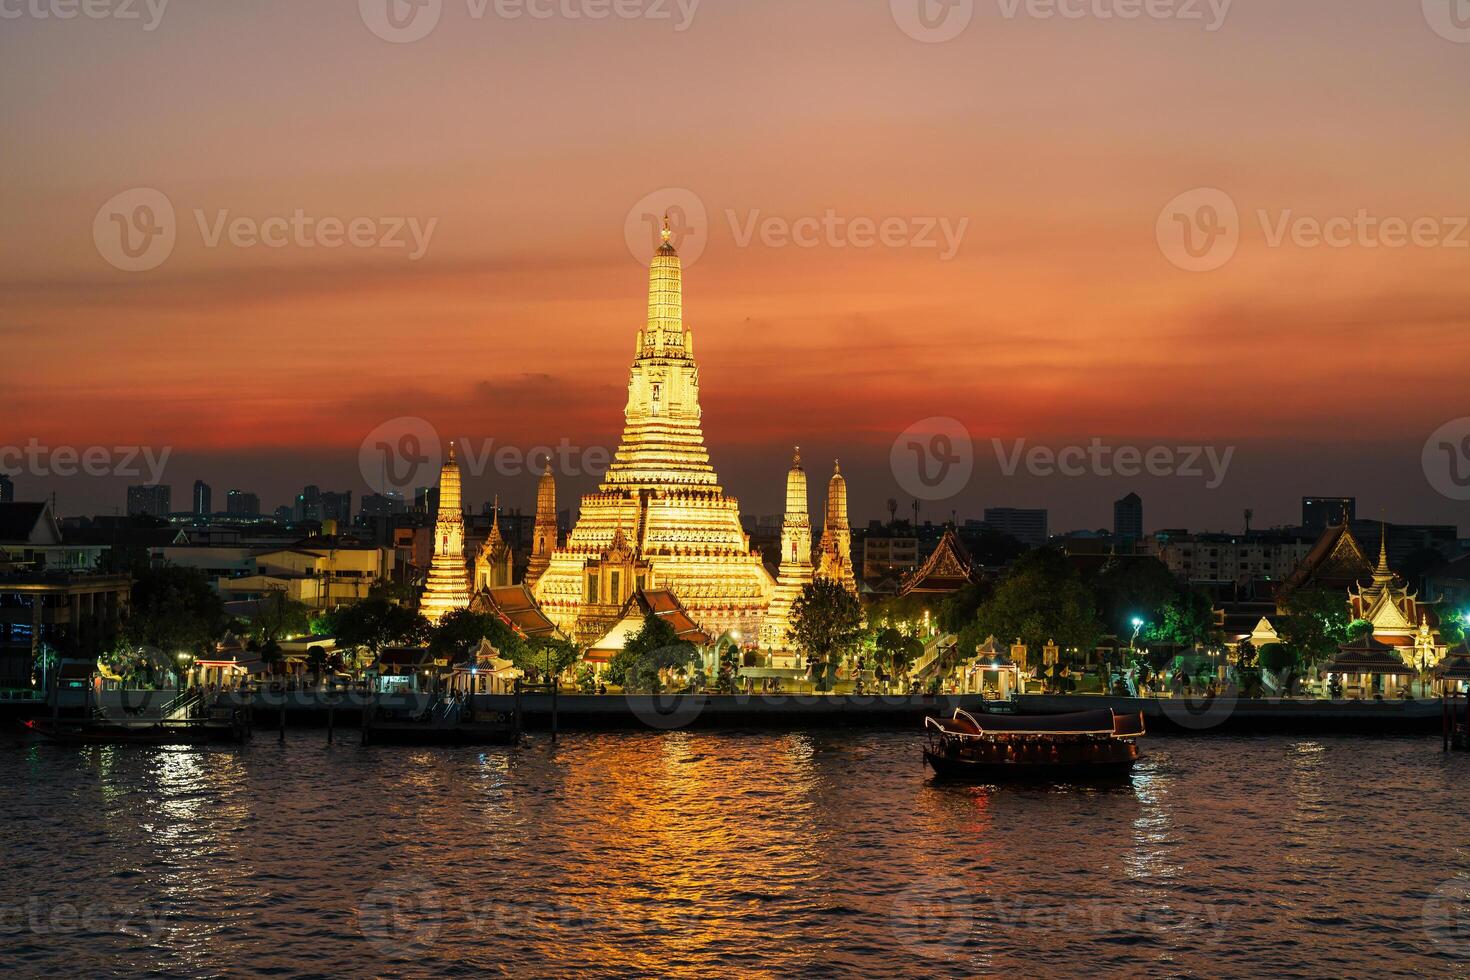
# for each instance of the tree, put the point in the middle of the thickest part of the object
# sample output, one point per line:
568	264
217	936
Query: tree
1315	625
1282	661
1186	619
729	669
544	653
826	622
276	618
656	647
174	610
1042	598
375	624
456	637
1135	587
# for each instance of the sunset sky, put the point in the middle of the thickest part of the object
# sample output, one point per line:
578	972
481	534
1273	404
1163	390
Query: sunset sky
1059	319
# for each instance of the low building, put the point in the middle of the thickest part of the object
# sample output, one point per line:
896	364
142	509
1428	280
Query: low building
1229	559
76	615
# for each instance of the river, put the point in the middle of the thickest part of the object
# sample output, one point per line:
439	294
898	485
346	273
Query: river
699	855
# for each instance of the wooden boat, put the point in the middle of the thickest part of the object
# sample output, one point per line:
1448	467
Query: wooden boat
1082	745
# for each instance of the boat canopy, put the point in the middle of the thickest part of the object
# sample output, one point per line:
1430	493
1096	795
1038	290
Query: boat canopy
1100	722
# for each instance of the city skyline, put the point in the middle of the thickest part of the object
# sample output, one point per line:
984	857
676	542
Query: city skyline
1058	318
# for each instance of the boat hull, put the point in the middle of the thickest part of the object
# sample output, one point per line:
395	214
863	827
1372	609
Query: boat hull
972	770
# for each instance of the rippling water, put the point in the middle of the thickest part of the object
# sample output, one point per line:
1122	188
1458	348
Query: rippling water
738	854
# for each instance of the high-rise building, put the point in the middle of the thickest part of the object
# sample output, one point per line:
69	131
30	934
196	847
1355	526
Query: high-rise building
7	490
284	515
1320	512
1027	526
203	498
382	505
151	499
1128	518
315	504
242	504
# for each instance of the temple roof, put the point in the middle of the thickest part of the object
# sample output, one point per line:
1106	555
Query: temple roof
949	569
517	609
1366	656
658	602
1336	561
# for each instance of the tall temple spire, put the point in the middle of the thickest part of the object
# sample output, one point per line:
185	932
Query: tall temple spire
795	571
1383	575
663	443
664	334
448	586
544	532
836	547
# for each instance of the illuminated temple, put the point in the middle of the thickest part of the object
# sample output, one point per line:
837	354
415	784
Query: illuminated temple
660	519
448	587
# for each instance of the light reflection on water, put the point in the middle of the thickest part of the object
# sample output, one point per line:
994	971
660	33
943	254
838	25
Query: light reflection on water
694	854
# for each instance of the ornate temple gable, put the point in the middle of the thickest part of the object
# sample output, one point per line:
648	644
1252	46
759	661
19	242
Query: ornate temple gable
949	569
495	559
1336	561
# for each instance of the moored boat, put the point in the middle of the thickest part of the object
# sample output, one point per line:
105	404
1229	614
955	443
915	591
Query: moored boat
1082	745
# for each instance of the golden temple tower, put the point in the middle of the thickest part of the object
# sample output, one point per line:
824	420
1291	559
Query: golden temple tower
544	533
493	563
836	561
449	586
796	557
660	518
